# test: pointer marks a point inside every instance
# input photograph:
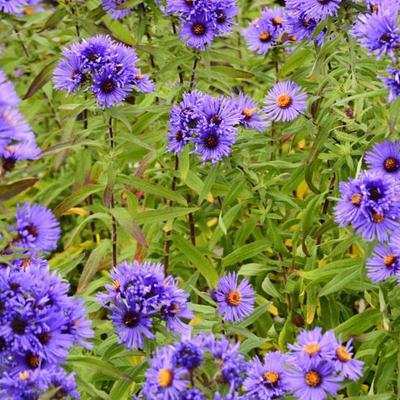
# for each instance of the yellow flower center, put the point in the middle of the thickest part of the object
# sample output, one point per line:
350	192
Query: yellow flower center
313	378
116	284
342	354
139	77
277	21
165	377
271	376
389	260
374	8
234	298
292	38
264	36
248	112
284	100
24	375
356	199
312	348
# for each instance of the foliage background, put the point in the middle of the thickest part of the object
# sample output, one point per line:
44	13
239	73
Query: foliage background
266	212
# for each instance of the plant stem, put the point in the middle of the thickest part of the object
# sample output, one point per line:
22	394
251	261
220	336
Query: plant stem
167	243
112	199
195	63
191	223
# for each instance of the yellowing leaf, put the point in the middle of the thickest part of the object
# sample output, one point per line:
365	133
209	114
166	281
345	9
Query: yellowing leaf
302	190
195	321
212	222
78	211
273	310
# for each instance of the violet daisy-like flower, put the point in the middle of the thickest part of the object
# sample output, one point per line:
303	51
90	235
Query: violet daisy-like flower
197	31
266	380
184	7
108	89
285	101
384	158
261	35
277	16
224	14
94	52
392	83
116	8
317	9
251	117
212	145
313	379
13	126
378	32
143	82
12	6
164	380
69	74
191	394
235	300
37	228
383	264
188	355
344	363
350	204
8	95
12	153
300	27
311	344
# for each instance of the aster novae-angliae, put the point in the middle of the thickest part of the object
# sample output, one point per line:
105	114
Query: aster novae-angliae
116	9
383	263
392	83
384	158
235	299
285	101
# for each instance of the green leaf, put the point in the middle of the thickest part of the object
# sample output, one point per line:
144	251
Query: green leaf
127	222
162	214
245	252
194	255
359	323
12	189
40	80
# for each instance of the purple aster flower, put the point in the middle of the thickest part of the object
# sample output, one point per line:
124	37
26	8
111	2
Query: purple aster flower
197	31
64	384
191	394
261	35
235	300
37	228
213	146
384	158
392	83
313	379
108	89
224	14
164	380
188	355
115	8
384	263
277	16
8	95
301	27
267	380
349	206
12	153
285	101
23	385
69	74
184	7
317	9
95	51
177	140
12	6
251	118
311	344
13	126
143	82
378	32
343	360
222	114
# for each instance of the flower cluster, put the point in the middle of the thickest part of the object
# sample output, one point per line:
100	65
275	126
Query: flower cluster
17	140
117	9
13	6
142	297
205	367
371	203
40	322
285	26
378	31
210	123
202	20
179	371
102	66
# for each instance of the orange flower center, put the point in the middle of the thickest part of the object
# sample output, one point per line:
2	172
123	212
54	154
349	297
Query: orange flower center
313	378
391	164
342	354
292	38
139	77
356	199
234	298
271	376
377	217
199	29
284	100
277	21
26	263
265	36
248	112
389	260
374	8
116	284
312	348
165	377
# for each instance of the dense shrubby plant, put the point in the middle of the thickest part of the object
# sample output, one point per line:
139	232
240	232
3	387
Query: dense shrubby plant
199	199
